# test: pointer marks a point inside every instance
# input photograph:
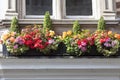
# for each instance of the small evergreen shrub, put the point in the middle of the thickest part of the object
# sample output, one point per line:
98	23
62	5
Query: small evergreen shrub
14	25
101	24
76	28
47	25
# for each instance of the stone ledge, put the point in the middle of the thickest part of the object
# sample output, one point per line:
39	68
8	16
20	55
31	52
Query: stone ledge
60	69
63	21
59	63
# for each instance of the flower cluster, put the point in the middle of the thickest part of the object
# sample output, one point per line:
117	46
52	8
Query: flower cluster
84	44
30	37
106	42
14	43
77	44
36	39
33	37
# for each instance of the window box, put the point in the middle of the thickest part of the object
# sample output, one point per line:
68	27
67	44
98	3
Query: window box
60	52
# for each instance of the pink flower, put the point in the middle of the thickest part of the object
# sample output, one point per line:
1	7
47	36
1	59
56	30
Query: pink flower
79	46
83	49
83	43
19	40
16	46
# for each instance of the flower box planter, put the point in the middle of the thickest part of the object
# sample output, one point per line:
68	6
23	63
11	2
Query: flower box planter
35	53
29	53
61	53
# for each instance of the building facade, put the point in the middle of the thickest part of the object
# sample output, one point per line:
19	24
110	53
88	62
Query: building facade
63	14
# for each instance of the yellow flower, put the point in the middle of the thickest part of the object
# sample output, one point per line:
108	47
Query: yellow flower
52	33
78	35
60	37
5	36
64	34
69	32
12	34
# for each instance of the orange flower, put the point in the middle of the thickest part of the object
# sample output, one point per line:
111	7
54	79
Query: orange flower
12	39
117	36
75	36
109	32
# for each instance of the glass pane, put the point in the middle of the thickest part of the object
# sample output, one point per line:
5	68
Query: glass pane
78	7
38	7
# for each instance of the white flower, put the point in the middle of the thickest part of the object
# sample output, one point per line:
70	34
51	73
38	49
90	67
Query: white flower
51	41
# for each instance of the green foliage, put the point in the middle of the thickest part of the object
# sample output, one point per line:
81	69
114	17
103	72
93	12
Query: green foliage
14	25
76	28
101	24
47	25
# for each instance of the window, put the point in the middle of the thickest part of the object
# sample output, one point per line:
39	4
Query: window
60	9
78	7
38	7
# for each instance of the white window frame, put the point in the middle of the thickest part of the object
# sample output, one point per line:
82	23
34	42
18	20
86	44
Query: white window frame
61	13
17	8
36	16
81	16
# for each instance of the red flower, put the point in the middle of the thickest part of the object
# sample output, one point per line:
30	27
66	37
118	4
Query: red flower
79	42
41	46
36	45
91	40
28	36
47	43
32	33
32	47
102	40
29	43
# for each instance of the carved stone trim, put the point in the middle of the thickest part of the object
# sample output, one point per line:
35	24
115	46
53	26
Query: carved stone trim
109	10
11	11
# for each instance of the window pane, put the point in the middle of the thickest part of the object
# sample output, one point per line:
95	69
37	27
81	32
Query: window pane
38	7
78	7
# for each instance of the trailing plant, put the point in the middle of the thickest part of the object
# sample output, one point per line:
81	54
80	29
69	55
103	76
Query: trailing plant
14	25
47	25
101	24
76	28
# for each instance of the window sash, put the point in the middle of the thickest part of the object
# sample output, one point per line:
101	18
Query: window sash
81	16
63	12
38	7
36	16
78	7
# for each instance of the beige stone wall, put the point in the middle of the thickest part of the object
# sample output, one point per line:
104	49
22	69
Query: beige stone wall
60	28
